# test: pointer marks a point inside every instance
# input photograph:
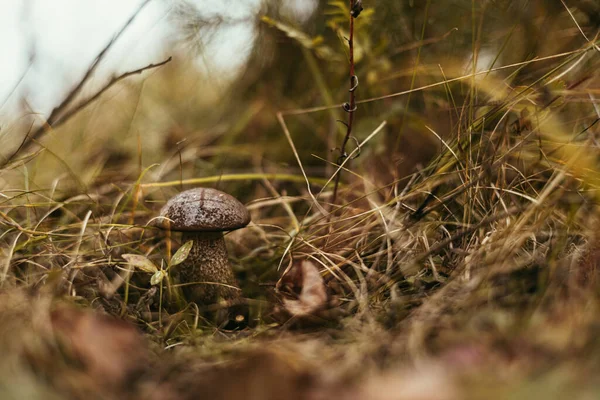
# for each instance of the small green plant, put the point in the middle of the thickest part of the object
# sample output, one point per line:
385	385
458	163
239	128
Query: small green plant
144	264
158	274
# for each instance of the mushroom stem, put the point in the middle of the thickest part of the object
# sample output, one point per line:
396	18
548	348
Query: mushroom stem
206	273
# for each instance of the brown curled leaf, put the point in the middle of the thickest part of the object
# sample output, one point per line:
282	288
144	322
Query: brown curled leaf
304	280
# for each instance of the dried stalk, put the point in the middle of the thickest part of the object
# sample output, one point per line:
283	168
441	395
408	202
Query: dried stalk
350	107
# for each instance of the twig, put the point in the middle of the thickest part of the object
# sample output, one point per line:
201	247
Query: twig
110	84
349	107
55	119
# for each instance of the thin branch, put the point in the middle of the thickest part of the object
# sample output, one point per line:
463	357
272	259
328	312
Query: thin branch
349	107
110	84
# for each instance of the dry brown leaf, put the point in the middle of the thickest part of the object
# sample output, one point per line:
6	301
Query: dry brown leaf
305	278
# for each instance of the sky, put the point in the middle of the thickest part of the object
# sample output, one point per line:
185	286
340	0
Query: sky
66	36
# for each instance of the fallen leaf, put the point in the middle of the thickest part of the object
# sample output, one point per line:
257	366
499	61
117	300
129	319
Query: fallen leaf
305	278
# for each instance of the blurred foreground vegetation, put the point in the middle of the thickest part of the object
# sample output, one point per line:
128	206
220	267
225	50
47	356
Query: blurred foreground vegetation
459	258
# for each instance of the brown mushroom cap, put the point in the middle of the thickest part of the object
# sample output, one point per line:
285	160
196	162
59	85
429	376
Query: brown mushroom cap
203	209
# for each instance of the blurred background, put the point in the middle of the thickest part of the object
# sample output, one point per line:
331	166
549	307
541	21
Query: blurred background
235	65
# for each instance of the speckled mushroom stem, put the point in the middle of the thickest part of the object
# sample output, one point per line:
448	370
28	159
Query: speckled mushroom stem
206	272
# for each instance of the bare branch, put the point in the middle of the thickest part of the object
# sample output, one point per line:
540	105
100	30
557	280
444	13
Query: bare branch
110	84
350	107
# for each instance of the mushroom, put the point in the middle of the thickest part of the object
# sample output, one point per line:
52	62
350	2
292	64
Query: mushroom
202	215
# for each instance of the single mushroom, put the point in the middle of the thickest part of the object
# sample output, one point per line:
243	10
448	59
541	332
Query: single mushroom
202	215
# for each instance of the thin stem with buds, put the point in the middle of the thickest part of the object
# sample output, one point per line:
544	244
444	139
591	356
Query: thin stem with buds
349	107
